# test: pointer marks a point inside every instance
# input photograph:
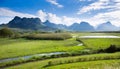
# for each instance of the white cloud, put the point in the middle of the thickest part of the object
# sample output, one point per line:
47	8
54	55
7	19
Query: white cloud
112	13
42	15
56	19
4	20
54	2
61	20
112	16
6	15
70	20
48	16
10	13
53	18
101	4
85	0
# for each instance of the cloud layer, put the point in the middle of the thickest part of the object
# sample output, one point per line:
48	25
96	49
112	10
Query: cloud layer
111	14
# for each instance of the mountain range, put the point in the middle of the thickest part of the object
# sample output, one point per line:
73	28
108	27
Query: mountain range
37	24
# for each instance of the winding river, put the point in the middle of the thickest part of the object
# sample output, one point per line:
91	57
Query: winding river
30	56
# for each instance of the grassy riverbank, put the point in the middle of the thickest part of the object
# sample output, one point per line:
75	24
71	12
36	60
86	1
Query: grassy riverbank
53	63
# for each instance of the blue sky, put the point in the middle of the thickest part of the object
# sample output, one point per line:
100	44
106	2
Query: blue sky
62	11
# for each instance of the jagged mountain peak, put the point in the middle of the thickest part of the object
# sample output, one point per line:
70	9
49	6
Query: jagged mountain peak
106	23
84	23
47	21
25	23
17	17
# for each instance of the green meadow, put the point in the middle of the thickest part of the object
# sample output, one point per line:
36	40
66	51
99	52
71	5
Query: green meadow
18	47
21	47
100	43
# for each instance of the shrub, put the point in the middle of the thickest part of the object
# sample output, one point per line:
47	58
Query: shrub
58	31
49	63
5	32
17	35
111	49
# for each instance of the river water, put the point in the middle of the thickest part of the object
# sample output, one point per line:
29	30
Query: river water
99	37
30	56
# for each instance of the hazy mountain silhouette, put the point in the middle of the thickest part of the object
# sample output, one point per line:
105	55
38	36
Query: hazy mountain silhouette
53	25
106	27
83	26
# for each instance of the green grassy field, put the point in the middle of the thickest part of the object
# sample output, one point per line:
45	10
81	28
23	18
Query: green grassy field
58	62
103	64
100	43
21	47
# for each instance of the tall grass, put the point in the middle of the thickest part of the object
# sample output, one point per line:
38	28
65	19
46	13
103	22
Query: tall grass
100	64
85	58
49	36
